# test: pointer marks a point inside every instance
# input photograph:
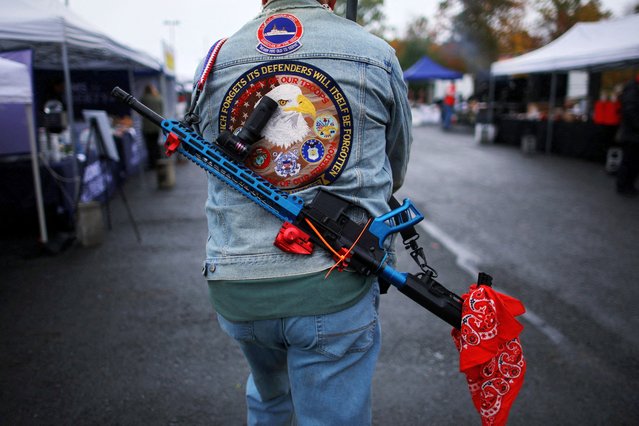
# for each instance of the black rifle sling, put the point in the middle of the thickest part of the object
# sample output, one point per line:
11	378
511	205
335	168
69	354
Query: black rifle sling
409	238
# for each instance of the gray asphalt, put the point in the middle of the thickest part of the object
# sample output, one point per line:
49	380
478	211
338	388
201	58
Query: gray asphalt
123	333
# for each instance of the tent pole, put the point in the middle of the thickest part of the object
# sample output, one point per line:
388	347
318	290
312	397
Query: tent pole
164	90
131	81
68	92
551	107
69	98
491	97
35	166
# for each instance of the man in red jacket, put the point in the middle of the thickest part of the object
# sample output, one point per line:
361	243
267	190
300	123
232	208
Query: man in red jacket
448	106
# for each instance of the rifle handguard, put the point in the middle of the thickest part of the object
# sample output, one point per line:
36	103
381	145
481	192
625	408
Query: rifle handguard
435	297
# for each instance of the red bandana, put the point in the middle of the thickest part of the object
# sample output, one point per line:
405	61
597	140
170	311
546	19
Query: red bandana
490	353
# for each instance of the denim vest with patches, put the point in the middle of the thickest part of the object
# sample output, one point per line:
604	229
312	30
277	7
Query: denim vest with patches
344	124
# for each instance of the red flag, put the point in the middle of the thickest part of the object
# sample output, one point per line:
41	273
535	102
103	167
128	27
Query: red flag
490	353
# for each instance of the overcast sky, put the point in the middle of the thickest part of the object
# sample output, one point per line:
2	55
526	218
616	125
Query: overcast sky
141	23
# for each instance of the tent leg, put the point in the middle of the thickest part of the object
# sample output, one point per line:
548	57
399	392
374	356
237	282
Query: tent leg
70	113
131	78
491	98
551	107
68	92
164	90
35	165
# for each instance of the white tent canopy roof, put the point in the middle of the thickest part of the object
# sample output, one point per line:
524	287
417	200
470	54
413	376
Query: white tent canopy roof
15	82
587	45
43	25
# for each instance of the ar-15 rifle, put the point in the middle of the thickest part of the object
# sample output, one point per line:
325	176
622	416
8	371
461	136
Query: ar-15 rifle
322	221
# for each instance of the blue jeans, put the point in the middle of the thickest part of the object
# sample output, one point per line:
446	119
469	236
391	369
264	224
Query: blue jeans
447	116
313	370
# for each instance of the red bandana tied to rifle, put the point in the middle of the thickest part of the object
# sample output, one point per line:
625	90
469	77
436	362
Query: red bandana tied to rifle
490	353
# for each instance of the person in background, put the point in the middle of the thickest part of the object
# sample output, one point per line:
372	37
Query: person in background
150	131
628	138
448	106
311	338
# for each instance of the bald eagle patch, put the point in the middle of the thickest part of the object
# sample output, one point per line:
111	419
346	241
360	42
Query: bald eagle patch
307	141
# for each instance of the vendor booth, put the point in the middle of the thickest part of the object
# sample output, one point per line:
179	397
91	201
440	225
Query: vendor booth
554	122
73	68
425	70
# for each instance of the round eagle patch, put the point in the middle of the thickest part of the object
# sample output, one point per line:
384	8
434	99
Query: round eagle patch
307	141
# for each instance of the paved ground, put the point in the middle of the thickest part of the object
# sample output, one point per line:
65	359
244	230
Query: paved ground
123	333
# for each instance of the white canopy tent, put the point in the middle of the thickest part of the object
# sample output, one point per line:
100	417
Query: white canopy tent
60	40
46	25
15	87
63	41
587	45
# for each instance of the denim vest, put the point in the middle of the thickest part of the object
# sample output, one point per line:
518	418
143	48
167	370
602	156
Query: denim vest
301	45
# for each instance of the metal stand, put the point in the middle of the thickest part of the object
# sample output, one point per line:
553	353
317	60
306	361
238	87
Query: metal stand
105	161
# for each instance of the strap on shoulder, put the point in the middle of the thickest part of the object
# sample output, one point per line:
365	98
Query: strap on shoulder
190	117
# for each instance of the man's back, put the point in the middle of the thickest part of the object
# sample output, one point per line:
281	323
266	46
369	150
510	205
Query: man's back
343	123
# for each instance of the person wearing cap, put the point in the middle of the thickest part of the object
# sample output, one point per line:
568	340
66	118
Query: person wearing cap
150	130
311	337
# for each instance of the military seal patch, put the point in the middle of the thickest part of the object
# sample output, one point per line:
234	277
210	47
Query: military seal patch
312	150
279	34
307	141
259	158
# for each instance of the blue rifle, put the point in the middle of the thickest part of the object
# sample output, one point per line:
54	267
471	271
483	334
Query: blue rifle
321	222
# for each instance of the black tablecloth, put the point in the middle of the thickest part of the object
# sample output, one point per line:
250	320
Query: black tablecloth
100	180
131	151
572	139
17	193
18	213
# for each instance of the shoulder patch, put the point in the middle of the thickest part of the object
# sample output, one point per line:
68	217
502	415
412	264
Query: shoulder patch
307	141
279	34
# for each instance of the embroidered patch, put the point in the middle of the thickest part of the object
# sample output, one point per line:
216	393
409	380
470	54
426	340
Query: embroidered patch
325	126
307	141
312	150
279	34
259	158
286	164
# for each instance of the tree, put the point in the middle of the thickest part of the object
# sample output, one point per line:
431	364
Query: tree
513	35
558	16
483	30
415	44
369	15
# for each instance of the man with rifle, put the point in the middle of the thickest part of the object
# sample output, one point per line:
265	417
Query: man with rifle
318	136
342	122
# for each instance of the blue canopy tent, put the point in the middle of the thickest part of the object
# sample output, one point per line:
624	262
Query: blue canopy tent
426	69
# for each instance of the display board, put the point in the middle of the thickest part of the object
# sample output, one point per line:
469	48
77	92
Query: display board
106	145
